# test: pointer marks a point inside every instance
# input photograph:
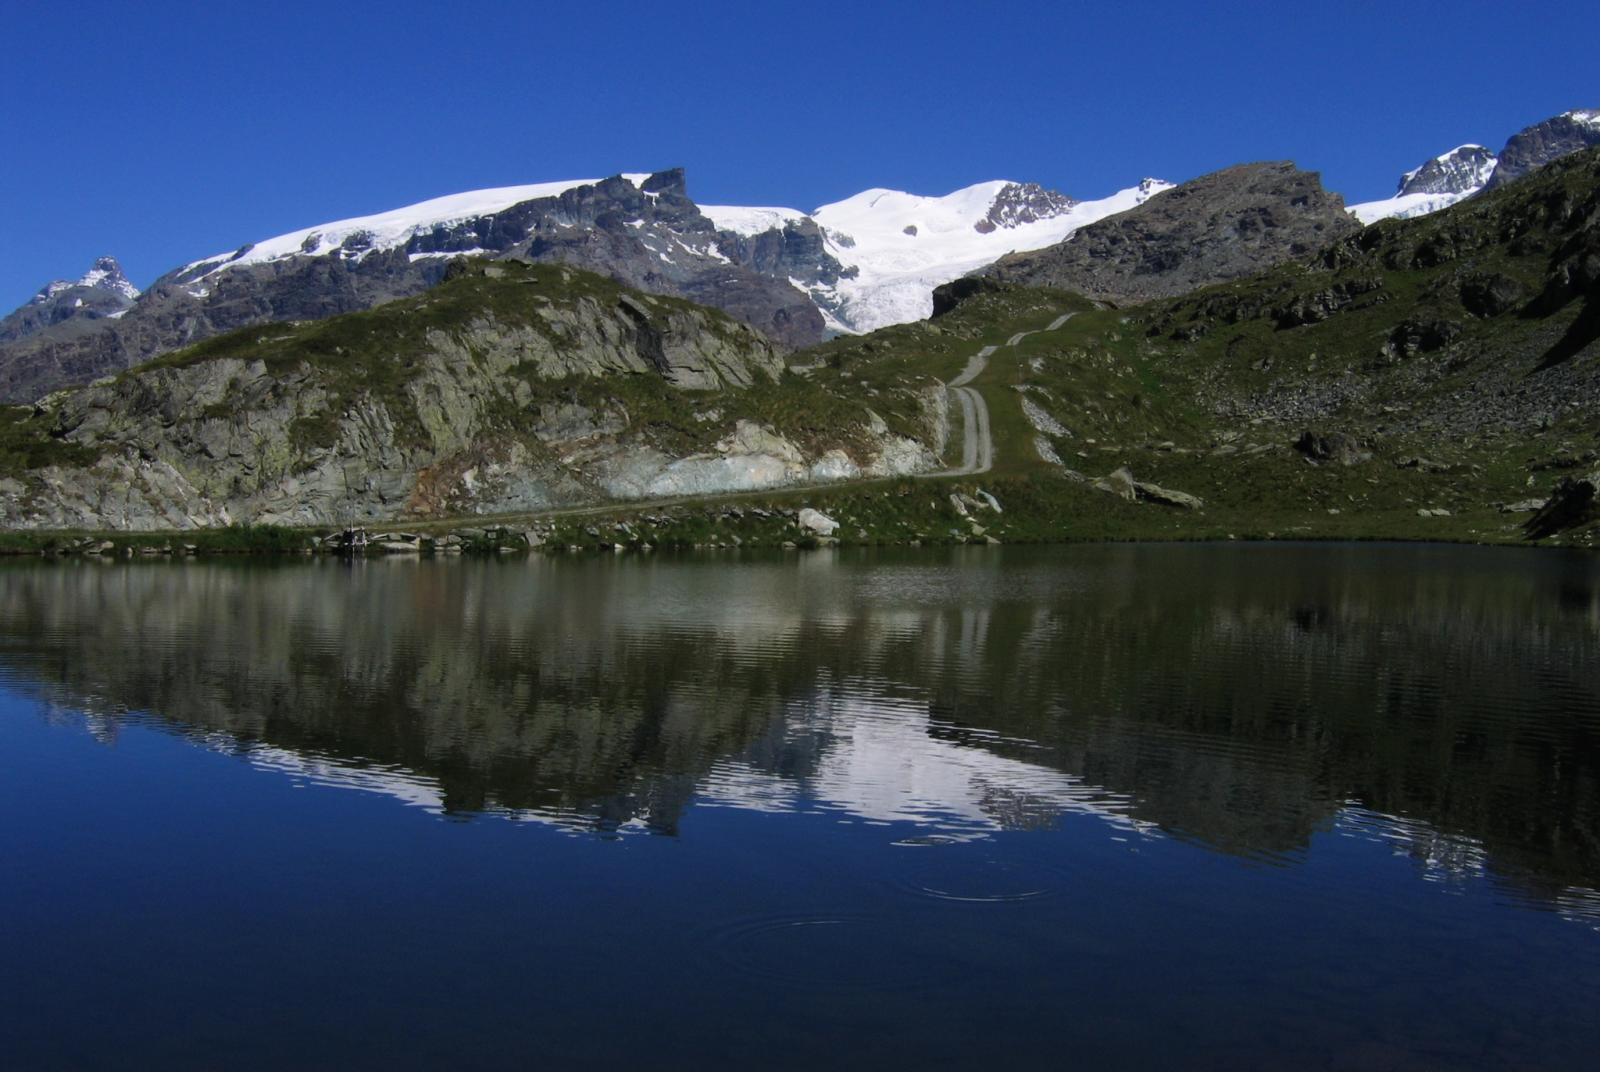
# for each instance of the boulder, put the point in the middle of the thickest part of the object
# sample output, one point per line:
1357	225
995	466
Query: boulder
1168	497
1120	483
1335	447
1572	503
817	522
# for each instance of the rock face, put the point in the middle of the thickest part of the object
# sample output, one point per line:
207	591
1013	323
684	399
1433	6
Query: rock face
508	387
101	292
1218	227
1462	170
641	230
1020	203
1544	142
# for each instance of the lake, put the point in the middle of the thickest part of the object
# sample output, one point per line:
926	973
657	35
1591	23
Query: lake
1212	806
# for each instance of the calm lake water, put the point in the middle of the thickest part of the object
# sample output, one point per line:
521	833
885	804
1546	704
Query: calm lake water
1108	807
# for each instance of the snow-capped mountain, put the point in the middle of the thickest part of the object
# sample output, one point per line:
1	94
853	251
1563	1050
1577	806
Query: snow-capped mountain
103	292
881	255
1468	169
1438	183
861	263
895	247
106	275
1534	147
397	228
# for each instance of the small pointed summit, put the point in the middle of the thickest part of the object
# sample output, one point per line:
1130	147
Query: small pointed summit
107	275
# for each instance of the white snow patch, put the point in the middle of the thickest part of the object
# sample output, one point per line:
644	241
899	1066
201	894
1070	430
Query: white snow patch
1407	206
474	252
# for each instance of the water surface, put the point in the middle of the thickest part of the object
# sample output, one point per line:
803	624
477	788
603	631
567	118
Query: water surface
1209	806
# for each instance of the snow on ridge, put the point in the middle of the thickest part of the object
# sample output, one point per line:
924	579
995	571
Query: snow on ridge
1442	158
110	279
900	245
1405	206
1587	116
397	226
106	275
752	220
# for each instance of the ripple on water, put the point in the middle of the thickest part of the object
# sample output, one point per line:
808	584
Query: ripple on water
963	878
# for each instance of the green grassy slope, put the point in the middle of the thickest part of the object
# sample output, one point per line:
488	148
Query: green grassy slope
1457	350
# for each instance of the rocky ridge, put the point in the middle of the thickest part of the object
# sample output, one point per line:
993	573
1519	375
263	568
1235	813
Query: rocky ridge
1221	226
1545	142
508	387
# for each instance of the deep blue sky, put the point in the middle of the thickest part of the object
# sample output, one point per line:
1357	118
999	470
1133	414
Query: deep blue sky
161	132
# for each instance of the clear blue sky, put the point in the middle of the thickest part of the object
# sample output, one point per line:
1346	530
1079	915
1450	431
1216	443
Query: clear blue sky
161	132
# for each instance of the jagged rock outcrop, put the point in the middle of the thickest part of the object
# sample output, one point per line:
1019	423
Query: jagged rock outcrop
509	387
1018	203
1222	226
1545	142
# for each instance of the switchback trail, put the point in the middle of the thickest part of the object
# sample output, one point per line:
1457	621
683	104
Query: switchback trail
977	447
977	455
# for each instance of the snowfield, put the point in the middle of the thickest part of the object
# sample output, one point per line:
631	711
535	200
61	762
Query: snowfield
397	226
903	245
1407	206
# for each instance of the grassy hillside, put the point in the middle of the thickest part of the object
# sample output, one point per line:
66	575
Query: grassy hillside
1447	363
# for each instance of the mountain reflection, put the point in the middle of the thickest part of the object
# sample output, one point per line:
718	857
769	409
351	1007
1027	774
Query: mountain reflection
1444	700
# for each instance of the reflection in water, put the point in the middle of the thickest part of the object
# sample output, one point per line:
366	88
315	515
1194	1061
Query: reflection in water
1443	701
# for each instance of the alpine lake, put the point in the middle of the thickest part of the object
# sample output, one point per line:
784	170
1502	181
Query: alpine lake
1102	806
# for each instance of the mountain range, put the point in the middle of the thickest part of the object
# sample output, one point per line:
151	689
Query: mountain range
534	348
859	264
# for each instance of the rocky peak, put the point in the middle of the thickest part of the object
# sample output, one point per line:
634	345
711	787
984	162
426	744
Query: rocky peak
101	293
671	181
1460	171
1020	203
1538	145
105	275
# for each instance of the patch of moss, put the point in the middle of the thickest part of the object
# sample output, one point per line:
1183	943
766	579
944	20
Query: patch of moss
26	444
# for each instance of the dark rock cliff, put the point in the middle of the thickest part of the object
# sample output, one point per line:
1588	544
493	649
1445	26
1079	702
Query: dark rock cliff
1544	142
